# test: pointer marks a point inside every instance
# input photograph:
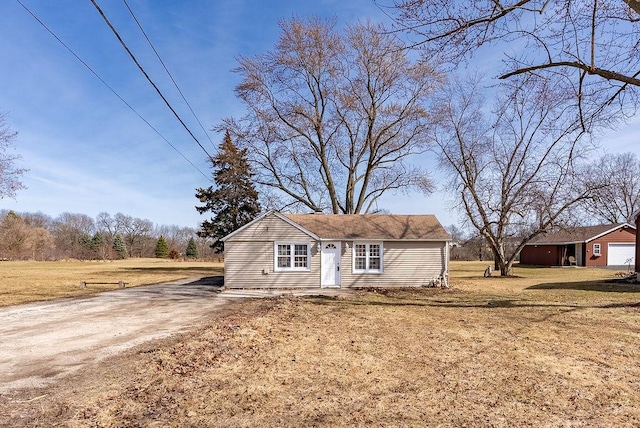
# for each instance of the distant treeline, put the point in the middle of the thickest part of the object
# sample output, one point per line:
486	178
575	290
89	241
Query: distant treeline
37	236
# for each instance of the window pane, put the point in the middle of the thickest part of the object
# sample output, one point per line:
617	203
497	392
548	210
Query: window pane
300	261
361	263
301	250
284	250
284	262
374	263
374	250
361	250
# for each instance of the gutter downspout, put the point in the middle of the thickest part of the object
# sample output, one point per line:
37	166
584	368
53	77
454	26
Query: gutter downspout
445	276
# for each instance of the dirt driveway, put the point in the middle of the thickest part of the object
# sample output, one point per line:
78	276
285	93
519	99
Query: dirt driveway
42	342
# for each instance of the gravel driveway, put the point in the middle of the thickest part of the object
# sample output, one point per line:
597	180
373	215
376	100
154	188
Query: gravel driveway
41	342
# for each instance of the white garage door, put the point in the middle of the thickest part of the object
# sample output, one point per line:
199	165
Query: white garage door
619	254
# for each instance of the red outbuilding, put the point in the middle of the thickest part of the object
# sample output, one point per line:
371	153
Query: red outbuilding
603	245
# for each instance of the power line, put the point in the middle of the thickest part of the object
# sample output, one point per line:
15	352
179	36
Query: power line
133	15
126	48
108	86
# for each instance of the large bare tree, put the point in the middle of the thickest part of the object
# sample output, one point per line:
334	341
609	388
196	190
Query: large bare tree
617	197
10	173
333	118
588	47
514	168
136	233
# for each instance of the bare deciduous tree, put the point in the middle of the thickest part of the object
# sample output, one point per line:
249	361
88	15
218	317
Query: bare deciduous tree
177	237
10	174
136	233
107	226
617	197
68	231
21	240
334	118
590	48
514	170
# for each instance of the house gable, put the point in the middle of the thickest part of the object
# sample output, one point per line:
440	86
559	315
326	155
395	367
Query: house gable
270	226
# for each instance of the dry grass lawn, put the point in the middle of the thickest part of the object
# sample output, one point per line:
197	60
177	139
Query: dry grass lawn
551	347
28	281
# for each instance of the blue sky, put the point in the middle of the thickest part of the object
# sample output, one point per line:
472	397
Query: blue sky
87	152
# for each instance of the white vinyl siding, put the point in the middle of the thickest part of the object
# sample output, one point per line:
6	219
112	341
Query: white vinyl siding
405	264
249	257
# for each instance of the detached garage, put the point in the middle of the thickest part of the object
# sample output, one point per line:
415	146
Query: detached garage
602	245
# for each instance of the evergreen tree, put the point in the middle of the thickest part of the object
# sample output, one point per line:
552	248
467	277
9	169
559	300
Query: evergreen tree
192	249
93	246
97	241
162	248
86	241
234	200
120	247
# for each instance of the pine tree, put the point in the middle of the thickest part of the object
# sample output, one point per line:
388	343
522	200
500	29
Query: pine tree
234	201
192	249
120	247
162	248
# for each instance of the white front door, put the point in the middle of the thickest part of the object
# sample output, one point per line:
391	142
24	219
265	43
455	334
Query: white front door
331	264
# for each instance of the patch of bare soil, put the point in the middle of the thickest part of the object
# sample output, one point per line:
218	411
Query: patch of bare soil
393	358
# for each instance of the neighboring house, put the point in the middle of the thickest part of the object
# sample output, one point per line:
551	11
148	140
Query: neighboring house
318	250
603	245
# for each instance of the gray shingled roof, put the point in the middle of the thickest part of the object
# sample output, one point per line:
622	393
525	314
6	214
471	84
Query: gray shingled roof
575	234
372	226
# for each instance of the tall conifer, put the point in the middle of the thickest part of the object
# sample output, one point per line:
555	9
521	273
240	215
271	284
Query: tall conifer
234	200
192	249
120	247
162	248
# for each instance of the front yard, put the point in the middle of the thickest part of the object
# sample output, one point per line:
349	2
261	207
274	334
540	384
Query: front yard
550	347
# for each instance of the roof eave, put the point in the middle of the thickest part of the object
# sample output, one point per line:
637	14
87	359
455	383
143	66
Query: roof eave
554	243
613	229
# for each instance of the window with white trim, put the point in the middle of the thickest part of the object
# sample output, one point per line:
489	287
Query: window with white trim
367	257
596	250
292	256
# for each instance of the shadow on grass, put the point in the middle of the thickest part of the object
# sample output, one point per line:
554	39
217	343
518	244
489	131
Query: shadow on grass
612	286
438	303
483	302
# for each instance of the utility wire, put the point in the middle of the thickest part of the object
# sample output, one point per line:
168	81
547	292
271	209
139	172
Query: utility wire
133	15
108	86
126	48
